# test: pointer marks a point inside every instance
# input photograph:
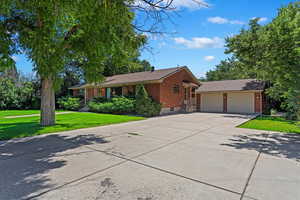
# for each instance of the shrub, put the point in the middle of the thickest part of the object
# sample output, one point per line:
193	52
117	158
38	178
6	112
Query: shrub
117	105
100	99
69	103
144	105
273	111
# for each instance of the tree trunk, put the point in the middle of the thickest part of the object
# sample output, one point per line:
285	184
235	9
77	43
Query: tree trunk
47	102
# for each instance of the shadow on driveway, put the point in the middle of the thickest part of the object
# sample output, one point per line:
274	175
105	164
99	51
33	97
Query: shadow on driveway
284	145
24	163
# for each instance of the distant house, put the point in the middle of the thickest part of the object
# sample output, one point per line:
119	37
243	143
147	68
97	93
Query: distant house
177	89
174	88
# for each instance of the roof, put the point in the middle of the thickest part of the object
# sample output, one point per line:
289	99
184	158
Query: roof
231	85
138	77
77	86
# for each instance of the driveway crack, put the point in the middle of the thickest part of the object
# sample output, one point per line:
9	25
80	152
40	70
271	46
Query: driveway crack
252	169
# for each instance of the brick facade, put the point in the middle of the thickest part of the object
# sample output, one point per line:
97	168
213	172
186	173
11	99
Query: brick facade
153	91
170	92
258	102
168	97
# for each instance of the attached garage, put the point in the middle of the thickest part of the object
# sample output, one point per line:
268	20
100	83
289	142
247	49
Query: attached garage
240	102
231	96
212	102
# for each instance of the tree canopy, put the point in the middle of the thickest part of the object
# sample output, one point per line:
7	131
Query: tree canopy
229	69
56	32
272	52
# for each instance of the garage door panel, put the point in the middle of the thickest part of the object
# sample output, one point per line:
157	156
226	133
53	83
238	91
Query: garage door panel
212	102
240	102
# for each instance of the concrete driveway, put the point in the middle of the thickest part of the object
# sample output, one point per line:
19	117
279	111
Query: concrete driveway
187	156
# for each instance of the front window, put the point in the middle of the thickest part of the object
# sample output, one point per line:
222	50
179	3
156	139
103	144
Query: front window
176	89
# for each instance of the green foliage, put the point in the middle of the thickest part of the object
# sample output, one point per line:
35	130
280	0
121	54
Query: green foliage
70	76
100	99
17	95
272	51
229	69
117	105
145	106
53	34
9	95
69	103
273	111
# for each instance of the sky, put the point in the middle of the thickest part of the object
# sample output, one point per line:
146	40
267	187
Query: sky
195	38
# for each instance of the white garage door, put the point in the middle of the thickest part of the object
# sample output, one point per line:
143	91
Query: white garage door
212	102
240	102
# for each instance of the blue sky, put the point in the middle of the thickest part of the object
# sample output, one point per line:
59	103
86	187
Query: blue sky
198	33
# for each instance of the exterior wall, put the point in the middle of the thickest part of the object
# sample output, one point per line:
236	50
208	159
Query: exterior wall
198	103
75	92
212	102
258	99
153	90
89	93
240	102
168	98
225	102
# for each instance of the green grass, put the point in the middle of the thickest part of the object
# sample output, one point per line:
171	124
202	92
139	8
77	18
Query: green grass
278	124
29	126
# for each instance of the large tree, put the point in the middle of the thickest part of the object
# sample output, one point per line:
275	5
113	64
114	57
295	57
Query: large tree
54	33
273	53
229	69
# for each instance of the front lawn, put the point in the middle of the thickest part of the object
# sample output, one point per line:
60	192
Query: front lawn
29	126
278	124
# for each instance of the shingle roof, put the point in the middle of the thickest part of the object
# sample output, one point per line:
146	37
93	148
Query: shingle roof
231	85
137	77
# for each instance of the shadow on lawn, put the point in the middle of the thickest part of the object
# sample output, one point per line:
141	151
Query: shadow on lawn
20	129
25	163
284	145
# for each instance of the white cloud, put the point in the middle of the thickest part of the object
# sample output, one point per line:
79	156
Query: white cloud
200	42
190	4
209	58
261	19
15	58
178	4
221	20
217	20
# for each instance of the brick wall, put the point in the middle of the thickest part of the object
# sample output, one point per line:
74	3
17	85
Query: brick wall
153	90
257	102
167	96
75	92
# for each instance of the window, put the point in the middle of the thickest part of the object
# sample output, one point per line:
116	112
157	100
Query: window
176	89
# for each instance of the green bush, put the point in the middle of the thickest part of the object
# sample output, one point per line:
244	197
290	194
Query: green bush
273	111
69	103
100	99
117	105
146	106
